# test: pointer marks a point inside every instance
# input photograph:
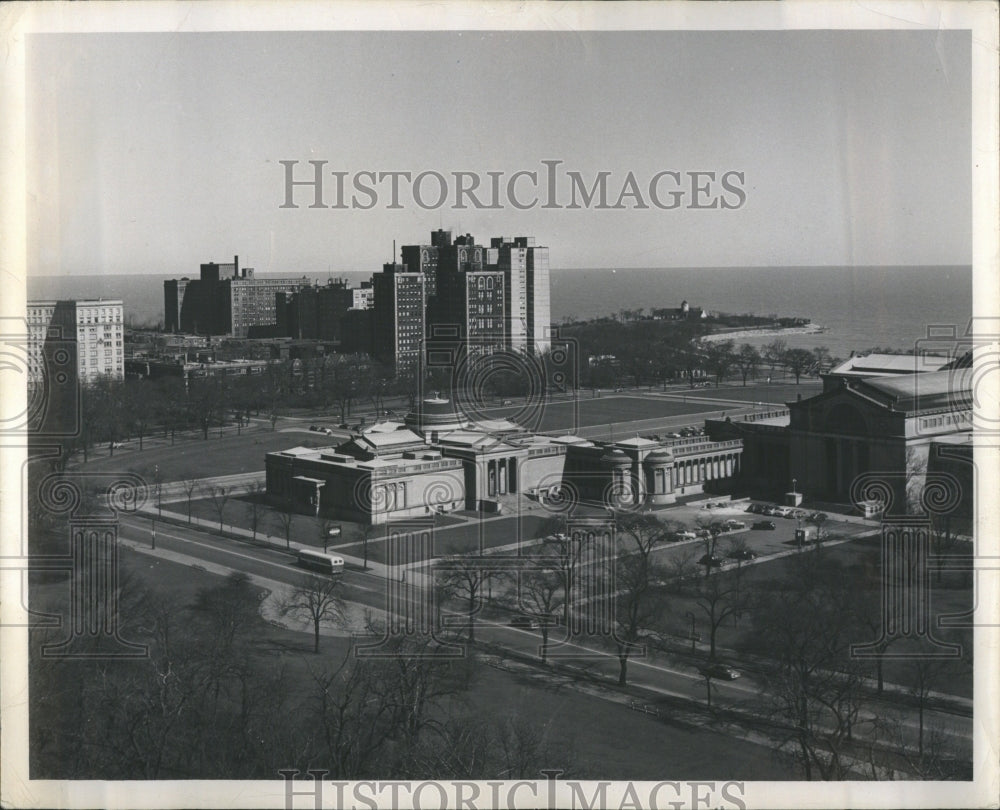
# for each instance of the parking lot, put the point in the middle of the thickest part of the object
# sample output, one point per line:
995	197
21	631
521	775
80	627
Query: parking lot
762	542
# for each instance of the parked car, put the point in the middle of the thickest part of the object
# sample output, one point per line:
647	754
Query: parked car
718	527
721	671
817	517
711	561
328	431
524	622
508	402
313	427
116	445
783	511
742	554
733	525
684	535
703	533
764	524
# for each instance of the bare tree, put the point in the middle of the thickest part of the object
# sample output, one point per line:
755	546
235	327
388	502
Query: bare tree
798	361
814	688
255	491
638	606
190	486
316	599
747	360
718	598
463	578
219	496
541	593
286	517
774	352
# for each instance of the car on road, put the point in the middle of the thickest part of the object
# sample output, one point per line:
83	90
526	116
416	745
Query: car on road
783	511
742	554
817	517
313	427
684	535
734	525
524	622
721	671
116	445
508	402
711	561
764	524
703	533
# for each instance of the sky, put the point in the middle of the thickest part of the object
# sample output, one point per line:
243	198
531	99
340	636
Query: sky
152	153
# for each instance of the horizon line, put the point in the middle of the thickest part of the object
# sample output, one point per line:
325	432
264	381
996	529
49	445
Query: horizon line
554	269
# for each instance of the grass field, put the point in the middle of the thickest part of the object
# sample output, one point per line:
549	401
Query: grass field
198	458
774	394
232	454
610	409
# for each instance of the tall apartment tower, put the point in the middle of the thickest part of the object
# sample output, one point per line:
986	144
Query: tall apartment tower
472	303
399	317
525	267
539	298
91	331
492	298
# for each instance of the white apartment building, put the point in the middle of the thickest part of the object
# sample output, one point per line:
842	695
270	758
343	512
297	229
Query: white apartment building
91	332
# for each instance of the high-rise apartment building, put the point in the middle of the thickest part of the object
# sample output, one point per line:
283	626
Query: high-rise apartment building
90	332
399	317
225	300
521	300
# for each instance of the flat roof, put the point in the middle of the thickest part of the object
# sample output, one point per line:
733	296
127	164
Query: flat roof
891	364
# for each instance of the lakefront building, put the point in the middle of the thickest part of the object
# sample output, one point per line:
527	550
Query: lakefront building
440	460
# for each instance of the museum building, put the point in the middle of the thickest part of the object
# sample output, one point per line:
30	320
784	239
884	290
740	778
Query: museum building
439	460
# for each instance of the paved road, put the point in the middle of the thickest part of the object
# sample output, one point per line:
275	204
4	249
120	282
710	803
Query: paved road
655	671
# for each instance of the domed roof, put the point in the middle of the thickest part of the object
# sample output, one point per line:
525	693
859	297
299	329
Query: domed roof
661	455
434	413
616	456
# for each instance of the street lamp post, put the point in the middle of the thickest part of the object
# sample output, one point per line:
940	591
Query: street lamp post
152	534
159	490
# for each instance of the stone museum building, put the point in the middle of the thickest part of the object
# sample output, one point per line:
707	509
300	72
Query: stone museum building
438	460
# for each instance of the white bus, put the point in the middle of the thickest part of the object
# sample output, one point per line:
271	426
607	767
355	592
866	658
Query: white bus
318	561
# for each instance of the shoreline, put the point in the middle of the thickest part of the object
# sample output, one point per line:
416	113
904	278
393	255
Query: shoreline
765	331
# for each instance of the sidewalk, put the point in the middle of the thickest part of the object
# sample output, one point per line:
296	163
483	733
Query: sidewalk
246	536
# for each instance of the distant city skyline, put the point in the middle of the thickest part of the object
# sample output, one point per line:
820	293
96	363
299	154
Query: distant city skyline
152	153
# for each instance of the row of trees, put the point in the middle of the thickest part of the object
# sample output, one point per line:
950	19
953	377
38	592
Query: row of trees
653	352
800	628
